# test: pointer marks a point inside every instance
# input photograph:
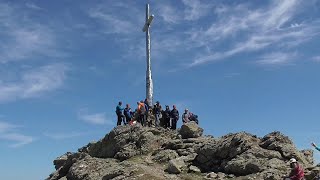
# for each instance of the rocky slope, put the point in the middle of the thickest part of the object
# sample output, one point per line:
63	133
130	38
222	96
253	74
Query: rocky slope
136	152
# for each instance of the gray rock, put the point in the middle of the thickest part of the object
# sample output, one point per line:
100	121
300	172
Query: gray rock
194	169
278	142
95	168
176	166
135	152
64	163
190	130
165	155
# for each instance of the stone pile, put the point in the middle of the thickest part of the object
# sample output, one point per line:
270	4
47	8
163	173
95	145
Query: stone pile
136	152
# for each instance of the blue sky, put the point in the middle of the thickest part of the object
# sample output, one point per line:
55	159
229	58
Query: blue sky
239	65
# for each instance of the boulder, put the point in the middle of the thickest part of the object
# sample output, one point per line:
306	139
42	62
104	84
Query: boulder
278	142
63	163
194	169
124	142
95	168
176	166
190	130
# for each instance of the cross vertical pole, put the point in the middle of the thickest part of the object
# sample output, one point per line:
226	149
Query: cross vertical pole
149	83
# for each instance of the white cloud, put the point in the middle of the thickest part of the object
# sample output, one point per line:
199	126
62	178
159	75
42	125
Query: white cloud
107	15
195	9
276	58
168	13
34	83
280	13
62	135
18	139
8	132
33	6
95	118
316	58
22	38
252	30
5	127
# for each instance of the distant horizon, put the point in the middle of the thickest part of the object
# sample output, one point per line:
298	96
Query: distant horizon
240	66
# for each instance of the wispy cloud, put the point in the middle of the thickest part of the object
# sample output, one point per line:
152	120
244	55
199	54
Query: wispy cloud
93	118
259	28
64	135
22	38
168	13
34	83
8	132
107	15
316	58
195	9
33	6
277	58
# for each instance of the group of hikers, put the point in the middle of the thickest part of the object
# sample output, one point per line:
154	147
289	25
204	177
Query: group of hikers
166	118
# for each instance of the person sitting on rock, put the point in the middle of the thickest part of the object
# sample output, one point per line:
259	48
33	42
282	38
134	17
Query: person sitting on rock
119	113
166	117
174	117
194	118
297	172
315	146
186	116
127	113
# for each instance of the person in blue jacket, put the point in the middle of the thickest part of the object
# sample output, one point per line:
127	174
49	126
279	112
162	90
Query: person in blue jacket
127	113
119	112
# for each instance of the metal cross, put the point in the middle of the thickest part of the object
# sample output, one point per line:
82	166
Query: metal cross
149	83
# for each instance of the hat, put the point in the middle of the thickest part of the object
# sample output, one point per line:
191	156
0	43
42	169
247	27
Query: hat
292	160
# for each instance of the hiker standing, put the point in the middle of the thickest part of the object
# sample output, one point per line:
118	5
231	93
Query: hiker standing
297	172
142	112
174	117
166	117
127	113
186	116
157	112
119	113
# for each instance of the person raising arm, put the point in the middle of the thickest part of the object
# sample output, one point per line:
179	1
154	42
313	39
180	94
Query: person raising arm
315	146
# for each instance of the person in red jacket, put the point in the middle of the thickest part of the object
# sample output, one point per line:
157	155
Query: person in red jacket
297	172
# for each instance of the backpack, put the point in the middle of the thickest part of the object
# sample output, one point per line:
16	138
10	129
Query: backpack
118	111
142	109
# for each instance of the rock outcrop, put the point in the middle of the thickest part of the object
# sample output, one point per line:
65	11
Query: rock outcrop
136	152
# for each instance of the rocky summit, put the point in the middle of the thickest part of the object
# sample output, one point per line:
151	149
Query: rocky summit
146	153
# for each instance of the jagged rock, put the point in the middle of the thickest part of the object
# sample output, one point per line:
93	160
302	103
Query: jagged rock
176	166
64	163
278	142
165	155
124	142
136	152
190	130
95	168
194	169
244	165
60	161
